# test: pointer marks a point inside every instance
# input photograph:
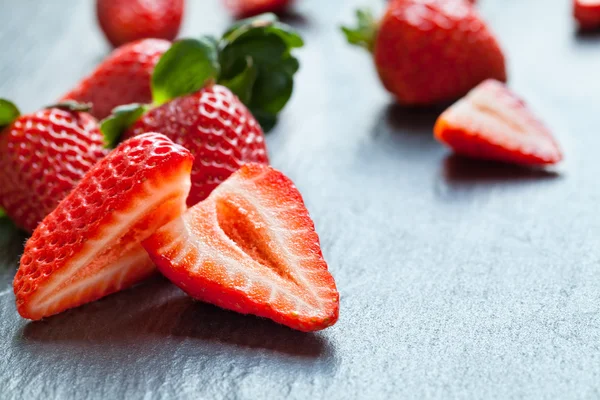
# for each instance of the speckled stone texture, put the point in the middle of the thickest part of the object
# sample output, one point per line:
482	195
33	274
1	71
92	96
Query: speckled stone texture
458	279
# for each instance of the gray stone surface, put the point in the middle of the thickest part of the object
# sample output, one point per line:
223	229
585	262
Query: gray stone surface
458	279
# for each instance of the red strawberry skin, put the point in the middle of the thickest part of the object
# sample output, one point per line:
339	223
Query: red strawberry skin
432	51
587	13
248	8
124	21
494	124
216	127
122	78
251	247
89	246
42	157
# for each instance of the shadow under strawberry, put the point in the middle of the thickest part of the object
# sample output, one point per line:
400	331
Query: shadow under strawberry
11	243
166	312
462	170
587	35
294	19
412	120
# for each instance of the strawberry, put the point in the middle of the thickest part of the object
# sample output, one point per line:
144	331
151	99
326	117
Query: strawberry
89	246
587	13
248	8
42	157
251	247
218	130
493	123
122	78
429	51
253	68
124	21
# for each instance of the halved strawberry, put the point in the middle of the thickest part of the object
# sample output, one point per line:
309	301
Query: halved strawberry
587	13
493	123
89	246
251	247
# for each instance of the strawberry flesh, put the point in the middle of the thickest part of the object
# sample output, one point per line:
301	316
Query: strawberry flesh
493	123
251	247
89	246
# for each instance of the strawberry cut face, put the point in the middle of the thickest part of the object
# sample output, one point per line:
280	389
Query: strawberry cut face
493	123
89	246
251	247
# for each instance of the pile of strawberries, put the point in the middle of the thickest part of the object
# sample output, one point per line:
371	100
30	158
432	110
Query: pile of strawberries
107	201
175	176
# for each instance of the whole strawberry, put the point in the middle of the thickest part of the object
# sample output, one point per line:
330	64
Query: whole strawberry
122	78
429	51
587	13
42	157
248	8
124	21
219	123
216	127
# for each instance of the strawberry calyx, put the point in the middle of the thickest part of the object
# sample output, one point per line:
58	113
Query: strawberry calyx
253	59
257	65
122	117
184	69
8	112
365	32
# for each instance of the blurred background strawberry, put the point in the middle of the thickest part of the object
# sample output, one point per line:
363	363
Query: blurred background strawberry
249	8
124	21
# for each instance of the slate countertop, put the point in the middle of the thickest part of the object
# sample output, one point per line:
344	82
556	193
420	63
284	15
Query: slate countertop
458	279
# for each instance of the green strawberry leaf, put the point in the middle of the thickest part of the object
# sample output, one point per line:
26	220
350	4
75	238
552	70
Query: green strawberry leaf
243	83
119	121
2	213
273	88
71	105
364	33
266	120
258	66
8	112
185	68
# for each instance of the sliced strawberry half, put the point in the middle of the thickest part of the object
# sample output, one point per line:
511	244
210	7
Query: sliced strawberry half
587	13
492	123
89	246
251	247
